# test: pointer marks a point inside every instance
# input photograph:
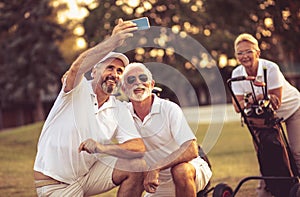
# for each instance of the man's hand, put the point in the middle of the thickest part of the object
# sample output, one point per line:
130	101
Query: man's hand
151	181
90	146
124	25
122	31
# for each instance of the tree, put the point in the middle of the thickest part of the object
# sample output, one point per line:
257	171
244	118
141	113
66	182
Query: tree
31	64
157	45
276	25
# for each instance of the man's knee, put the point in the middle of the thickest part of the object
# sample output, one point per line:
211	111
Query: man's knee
131	165
130	170
183	172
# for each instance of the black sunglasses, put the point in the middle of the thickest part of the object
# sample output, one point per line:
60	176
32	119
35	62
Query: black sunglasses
132	79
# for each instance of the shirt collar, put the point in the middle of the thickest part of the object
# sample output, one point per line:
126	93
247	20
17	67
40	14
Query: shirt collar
260	72
110	103
155	108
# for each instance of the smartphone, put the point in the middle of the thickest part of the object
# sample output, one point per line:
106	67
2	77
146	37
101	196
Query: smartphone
142	23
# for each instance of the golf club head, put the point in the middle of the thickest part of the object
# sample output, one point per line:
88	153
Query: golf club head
264	103
248	111
259	111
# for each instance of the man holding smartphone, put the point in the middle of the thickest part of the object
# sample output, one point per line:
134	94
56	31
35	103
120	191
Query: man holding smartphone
142	23
76	156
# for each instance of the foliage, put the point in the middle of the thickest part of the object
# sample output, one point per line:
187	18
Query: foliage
276	24
30	59
161	14
213	23
31	62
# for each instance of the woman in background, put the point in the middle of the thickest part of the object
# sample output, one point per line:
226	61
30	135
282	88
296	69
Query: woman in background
284	98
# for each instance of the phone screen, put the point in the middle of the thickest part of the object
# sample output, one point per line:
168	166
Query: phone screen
142	23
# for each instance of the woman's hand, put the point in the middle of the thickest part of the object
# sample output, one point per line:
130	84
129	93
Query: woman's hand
274	101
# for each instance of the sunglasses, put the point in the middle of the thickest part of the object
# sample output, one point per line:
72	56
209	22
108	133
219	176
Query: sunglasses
132	79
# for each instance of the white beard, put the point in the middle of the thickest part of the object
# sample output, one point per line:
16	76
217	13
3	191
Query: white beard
138	97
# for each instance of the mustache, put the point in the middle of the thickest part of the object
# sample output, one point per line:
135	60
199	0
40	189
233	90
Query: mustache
110	78
138	86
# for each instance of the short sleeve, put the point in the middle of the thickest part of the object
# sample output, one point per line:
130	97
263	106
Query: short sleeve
180	128
275	77
126	129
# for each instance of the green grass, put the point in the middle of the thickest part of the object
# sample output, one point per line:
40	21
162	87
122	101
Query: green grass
232	158
17	153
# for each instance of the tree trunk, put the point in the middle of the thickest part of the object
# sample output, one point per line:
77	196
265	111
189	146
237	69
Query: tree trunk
39	113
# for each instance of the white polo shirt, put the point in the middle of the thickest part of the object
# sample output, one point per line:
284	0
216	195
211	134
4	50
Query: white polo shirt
74	118
163	130
275	79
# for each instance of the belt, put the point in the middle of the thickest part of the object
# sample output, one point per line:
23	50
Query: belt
42	183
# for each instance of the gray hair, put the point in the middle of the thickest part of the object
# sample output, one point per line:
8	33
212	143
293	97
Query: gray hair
133	66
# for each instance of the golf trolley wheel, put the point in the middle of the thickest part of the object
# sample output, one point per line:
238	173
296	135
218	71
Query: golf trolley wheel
295	190
222	190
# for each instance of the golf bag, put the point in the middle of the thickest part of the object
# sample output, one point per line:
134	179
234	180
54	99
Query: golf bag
270	142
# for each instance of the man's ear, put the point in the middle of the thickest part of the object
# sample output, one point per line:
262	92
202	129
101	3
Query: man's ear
93	73
152	83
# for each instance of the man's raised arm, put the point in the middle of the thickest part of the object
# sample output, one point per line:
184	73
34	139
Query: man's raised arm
90	57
